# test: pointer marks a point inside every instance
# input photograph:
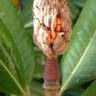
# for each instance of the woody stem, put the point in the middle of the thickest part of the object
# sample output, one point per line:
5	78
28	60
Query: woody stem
51	77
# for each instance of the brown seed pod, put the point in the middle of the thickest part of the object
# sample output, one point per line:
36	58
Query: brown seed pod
52	26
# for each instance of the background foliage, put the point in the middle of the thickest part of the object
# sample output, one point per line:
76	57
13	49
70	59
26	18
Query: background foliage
22	63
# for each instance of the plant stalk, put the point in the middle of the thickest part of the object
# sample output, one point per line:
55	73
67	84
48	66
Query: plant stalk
51	77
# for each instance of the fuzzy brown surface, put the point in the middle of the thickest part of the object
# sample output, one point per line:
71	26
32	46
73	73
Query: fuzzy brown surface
50	39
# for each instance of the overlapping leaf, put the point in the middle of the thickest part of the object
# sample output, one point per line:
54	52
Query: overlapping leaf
79	65
6	76
12	27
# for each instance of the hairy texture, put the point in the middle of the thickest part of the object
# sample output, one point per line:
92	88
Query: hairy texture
52	26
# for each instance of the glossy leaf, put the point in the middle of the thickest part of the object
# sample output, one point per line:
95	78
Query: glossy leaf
79	65
7	76
23	49
8	82
12	27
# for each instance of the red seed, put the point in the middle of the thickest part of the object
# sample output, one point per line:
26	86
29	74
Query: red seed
58	27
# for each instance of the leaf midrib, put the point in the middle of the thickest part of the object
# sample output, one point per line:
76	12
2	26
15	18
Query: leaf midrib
77	66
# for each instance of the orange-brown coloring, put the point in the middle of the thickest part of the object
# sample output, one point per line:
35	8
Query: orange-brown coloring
52	35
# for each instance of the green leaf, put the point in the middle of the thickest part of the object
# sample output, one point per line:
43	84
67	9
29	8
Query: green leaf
8	82
16	30
12	27
27	12
79	3
38	71
37	88
74	10
91	90
6	73
7	76
79	65
74	92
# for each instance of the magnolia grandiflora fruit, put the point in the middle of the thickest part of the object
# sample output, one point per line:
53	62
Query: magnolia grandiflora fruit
52	26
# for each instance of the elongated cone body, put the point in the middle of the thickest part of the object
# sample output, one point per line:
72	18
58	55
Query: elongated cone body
52	26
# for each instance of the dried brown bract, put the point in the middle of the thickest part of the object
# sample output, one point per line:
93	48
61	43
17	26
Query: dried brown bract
52	26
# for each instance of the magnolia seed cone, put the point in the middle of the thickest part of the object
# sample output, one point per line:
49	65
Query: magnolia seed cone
52	26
